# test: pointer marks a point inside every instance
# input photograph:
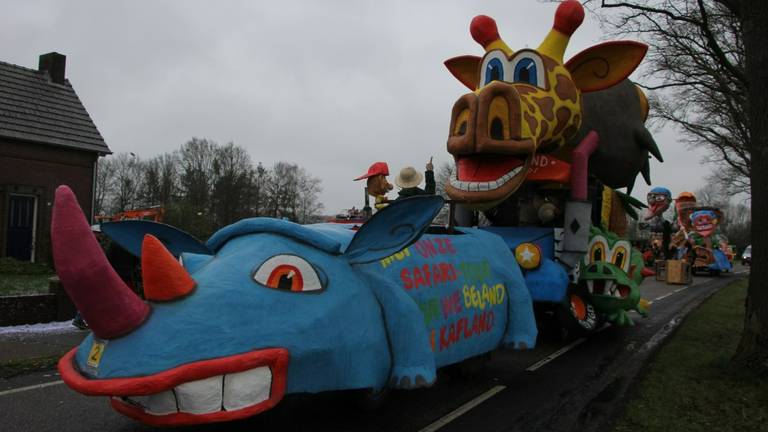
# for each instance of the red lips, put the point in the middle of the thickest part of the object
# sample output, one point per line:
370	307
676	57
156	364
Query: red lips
483	168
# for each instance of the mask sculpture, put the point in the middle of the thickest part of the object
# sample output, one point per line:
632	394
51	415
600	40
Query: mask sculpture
612	272
531	101
659	199
684	205
282	308
707	242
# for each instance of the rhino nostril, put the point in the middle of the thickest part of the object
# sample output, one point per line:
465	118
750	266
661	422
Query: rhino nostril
497	129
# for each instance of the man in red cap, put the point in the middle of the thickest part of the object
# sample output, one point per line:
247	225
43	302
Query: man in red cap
377	183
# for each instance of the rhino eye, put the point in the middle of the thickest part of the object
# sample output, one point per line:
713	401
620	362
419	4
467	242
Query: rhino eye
288	273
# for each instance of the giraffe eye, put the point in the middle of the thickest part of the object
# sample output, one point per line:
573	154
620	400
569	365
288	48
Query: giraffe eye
494	68
527	67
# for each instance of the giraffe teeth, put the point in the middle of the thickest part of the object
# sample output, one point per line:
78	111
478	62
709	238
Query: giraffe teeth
468	186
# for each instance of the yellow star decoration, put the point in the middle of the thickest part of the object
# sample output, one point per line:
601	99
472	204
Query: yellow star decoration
528	255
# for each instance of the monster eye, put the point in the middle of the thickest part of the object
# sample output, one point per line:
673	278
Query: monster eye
620	255
289	273
494	68
528	68
597	249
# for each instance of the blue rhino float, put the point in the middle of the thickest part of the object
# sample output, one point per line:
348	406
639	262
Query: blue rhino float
268	307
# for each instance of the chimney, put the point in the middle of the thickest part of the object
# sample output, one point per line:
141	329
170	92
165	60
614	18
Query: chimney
54	64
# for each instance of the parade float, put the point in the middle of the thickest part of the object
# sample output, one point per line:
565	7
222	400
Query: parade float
541	144
267	307
709	246
697	240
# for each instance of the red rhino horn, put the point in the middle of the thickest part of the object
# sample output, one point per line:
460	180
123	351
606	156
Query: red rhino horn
164	278
106	303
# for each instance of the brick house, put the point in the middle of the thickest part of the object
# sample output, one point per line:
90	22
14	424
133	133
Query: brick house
47	139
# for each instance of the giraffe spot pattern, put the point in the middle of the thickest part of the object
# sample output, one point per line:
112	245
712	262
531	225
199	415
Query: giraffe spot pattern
543	131
546	105
533	124
565	89
563	115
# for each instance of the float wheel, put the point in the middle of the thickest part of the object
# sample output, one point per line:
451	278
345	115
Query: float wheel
577	315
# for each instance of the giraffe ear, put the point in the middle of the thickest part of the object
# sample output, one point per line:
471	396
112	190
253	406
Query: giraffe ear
605	65
466	69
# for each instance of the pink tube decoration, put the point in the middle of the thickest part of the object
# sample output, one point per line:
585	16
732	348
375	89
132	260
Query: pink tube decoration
106	303
580	165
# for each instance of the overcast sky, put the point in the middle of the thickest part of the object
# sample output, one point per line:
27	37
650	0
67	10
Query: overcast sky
330	85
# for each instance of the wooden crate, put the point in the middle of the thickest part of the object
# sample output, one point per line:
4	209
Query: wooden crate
678	272
660	267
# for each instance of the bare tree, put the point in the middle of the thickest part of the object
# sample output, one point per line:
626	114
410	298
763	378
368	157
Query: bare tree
258	190
308	206
196	172
696	63
290	192
232	173
709	57
127	181
169	172
105	173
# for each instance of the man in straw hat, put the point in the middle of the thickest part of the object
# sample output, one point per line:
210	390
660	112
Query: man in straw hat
408	180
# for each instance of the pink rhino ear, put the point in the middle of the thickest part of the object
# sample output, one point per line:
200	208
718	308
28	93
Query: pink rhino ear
605	65
466	69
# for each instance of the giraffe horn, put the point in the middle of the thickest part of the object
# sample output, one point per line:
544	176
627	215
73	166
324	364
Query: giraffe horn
568	17
484	31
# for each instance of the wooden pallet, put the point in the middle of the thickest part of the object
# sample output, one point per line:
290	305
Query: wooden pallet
678	272
660	267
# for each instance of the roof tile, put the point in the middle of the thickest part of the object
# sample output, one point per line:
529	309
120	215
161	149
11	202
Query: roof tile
34	109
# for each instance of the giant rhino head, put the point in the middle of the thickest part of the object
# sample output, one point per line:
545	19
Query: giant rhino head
275	308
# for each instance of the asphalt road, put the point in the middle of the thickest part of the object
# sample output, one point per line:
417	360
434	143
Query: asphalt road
559	386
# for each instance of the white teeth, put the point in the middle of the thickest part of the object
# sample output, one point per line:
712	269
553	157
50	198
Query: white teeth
485	186
201	396
247	388
160	403
240	390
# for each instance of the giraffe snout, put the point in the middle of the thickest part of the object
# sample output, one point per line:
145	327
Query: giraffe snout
488	122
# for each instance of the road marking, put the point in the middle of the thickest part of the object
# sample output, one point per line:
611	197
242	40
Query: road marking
563	350
32	387
661	298
458	412
555	355
681	289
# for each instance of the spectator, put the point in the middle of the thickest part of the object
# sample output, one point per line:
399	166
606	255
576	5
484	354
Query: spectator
408	180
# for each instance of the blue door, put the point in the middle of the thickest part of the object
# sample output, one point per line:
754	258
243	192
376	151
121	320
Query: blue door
21	221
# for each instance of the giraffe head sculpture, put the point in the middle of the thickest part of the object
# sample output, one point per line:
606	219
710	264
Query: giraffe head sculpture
523	103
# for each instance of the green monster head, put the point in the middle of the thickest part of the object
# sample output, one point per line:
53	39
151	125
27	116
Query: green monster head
612	273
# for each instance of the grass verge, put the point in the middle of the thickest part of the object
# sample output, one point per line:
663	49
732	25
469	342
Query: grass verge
14	368
20	277
687	386
12	284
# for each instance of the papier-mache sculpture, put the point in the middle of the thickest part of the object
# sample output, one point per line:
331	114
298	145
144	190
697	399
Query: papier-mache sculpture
659	200
281	308
531	101
540	141
708	244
